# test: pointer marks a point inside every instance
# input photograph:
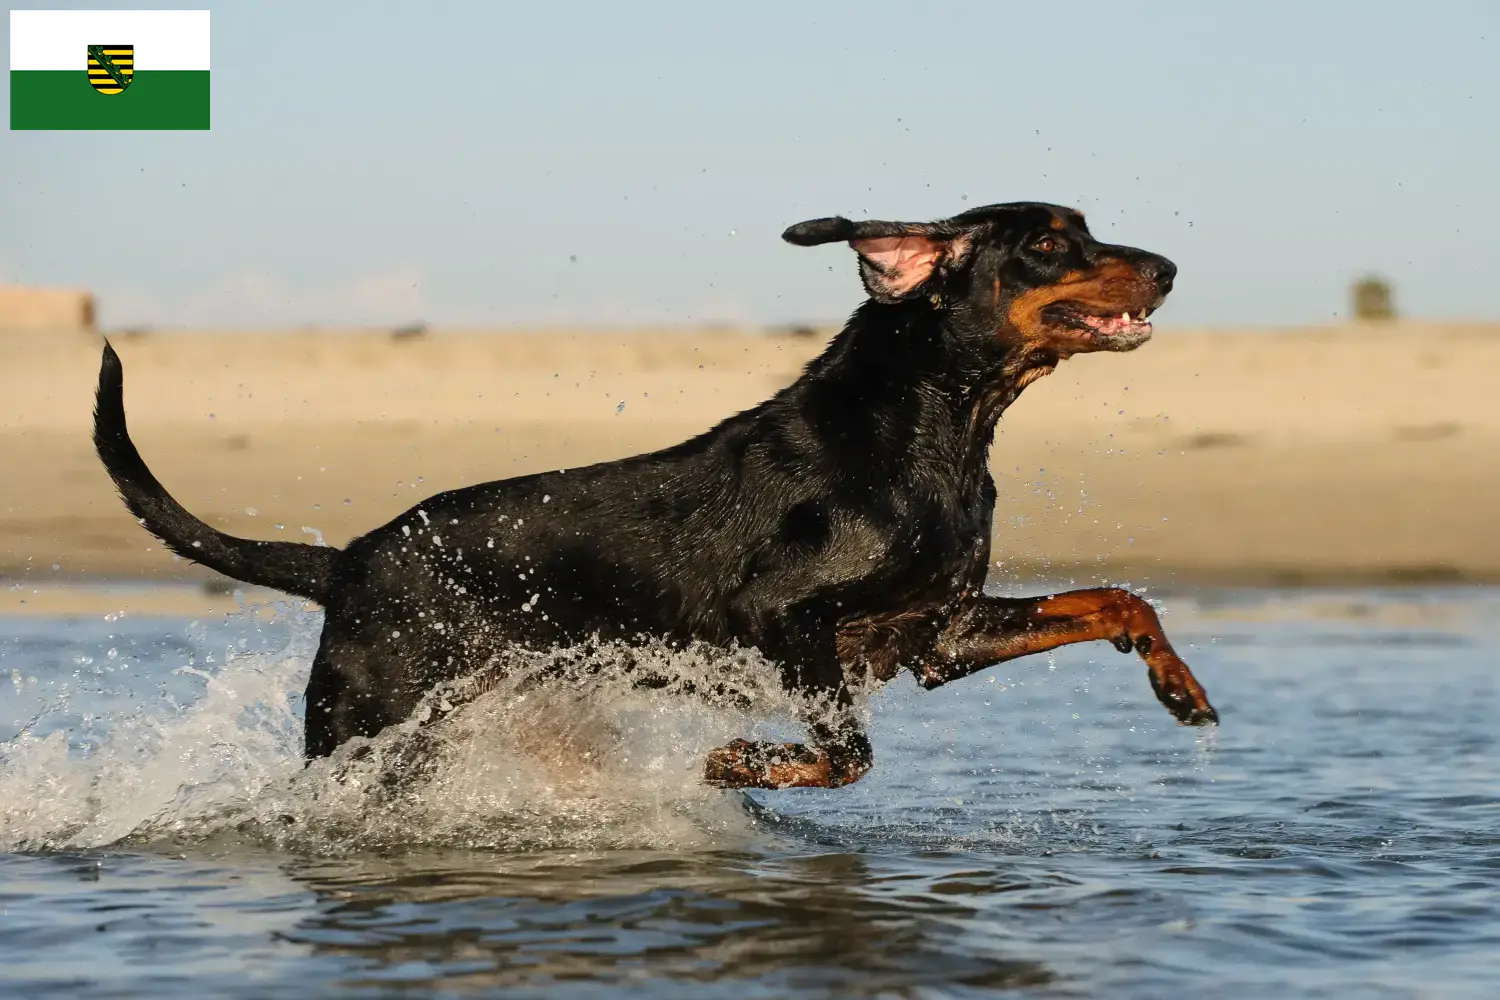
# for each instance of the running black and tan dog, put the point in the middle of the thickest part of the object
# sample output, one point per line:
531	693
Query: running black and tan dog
842	527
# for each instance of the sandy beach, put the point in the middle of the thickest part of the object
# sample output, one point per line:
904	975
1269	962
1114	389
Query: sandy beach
1341	454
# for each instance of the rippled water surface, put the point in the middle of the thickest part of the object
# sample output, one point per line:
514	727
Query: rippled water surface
1041	828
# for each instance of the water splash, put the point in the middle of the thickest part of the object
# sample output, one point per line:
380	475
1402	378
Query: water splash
586	760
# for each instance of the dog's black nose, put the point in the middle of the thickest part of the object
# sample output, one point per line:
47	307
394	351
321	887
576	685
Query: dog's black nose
1160	270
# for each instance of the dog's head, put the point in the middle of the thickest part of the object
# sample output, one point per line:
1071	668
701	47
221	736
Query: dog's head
1024	273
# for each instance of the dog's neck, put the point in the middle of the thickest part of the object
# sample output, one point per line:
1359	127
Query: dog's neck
901	383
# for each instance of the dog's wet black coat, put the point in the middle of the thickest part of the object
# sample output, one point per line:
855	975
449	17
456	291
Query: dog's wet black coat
837	527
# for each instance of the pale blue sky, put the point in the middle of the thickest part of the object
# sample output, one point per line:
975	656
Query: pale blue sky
381	163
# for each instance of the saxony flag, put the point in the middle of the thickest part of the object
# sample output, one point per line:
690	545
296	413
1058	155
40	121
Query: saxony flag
108	69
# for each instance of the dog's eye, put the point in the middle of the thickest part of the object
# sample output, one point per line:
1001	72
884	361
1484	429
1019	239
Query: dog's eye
1046	245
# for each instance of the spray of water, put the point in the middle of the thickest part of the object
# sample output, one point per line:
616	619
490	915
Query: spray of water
560	749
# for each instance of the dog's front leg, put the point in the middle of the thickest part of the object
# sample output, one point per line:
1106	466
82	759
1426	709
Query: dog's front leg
841	755
994	629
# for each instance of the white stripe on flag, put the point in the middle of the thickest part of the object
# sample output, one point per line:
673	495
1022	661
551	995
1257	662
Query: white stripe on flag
59	39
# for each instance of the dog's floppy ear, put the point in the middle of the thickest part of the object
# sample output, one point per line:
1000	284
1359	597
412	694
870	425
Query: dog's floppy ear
895	258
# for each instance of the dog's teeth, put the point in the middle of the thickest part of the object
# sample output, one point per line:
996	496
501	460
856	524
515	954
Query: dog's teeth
1125	318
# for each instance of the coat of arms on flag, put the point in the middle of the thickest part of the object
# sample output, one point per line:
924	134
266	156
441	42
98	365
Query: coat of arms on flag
111	67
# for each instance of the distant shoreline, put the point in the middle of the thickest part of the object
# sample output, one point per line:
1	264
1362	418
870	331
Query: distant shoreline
198	598
1326	456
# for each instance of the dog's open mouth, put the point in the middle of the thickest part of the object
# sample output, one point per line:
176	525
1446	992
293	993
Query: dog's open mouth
1126	328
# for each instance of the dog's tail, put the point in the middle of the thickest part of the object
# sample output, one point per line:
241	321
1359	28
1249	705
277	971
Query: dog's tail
304	570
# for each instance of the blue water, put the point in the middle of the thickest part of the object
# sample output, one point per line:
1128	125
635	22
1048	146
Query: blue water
1041	828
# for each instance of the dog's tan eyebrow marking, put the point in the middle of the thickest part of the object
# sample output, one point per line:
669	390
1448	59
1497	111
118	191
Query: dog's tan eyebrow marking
1059	223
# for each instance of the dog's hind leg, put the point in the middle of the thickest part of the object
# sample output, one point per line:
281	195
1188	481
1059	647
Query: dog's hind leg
994	629
341	700
841	755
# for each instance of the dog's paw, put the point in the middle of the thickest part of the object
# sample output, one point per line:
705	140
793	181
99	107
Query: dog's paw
727	767
1183	696
743	764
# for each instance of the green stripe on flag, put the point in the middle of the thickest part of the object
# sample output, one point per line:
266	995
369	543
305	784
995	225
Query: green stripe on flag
63	99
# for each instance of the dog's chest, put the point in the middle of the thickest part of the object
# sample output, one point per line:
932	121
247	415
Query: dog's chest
930	567
942	543
938	575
